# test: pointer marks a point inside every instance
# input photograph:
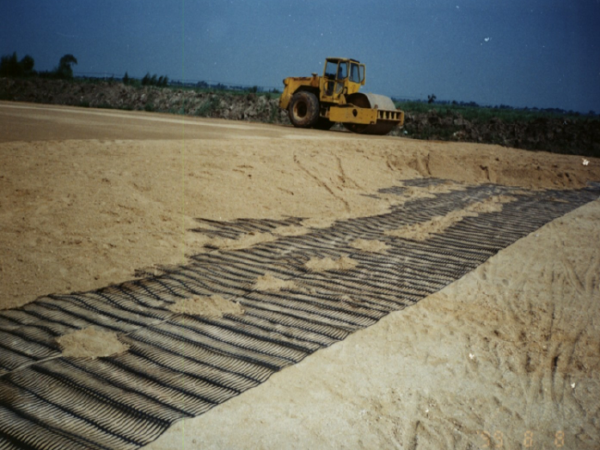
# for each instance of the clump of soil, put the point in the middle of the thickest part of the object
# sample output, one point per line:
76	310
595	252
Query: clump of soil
91	343
438	224
268	282
492	204
290	231
245	241
318	222
214	306
372	246
325	264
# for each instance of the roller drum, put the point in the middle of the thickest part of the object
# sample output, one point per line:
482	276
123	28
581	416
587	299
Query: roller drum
372	101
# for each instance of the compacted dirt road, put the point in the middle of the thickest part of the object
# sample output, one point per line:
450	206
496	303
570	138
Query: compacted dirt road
506	356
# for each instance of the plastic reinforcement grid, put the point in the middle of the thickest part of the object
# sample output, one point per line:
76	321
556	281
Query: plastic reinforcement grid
182	366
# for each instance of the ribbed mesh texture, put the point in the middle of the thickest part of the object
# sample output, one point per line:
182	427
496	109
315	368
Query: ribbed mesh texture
182	366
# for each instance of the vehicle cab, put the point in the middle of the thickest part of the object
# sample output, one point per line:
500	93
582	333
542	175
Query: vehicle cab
341	77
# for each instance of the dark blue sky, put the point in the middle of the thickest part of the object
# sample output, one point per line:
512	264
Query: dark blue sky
543	53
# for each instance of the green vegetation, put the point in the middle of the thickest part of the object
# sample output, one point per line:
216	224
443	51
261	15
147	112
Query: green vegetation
273	114
64	69
549	129
472	111
10	66
208	106
153	80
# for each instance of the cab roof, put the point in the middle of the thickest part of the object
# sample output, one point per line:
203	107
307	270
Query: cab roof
342	59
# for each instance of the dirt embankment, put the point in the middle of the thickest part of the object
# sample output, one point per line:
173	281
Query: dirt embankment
557	135
81	214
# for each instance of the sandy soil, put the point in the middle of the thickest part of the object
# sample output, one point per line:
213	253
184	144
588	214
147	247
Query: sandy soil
88	197
511	349
91	343
214	306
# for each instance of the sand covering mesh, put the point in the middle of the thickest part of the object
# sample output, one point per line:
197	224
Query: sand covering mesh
268	310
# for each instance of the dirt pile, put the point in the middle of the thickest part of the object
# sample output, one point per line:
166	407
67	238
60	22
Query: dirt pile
268	282
213	306
425	230
91	343
78	215
327	264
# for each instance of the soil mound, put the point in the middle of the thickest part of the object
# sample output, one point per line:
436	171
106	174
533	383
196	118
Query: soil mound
91	343
214	306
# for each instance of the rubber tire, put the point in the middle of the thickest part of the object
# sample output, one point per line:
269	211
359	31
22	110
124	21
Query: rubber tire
304	109
324	124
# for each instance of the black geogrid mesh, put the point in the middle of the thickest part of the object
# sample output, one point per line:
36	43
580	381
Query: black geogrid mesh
181	366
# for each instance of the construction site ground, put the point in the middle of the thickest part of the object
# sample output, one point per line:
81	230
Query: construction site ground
507	355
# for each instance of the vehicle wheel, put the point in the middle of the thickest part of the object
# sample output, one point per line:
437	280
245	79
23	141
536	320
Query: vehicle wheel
304	109
324	124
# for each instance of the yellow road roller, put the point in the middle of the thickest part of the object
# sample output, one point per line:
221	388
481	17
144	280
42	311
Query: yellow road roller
319	102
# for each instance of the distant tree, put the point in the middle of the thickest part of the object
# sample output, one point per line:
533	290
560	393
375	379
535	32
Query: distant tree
201	84
591	113
162	81
154	80
27	64
126	78
10	66
64	70
431	98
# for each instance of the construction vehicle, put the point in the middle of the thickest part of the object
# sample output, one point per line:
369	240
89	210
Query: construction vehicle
319	102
